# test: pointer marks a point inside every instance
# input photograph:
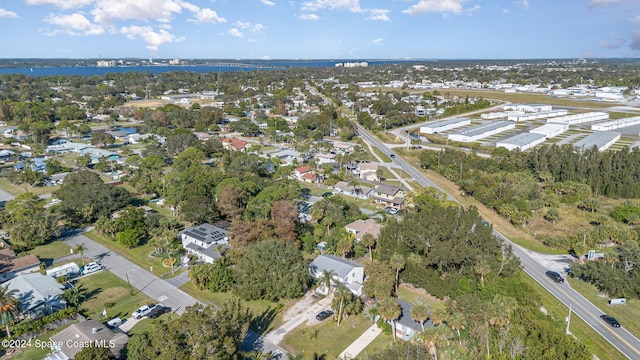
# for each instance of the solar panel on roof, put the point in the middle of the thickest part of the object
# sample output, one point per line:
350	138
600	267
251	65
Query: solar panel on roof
196	231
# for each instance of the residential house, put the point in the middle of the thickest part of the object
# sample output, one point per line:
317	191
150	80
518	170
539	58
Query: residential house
59	141
235	144
68	148
68	343
343	147
325	158
300	171
12	266
368	171
138	138
35	164
361	227
357	191
40	294
406	327
96	154
389	195
206	241
202	136
288	157
345	272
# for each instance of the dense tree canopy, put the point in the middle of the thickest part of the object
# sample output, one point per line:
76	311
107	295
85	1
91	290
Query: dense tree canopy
271	270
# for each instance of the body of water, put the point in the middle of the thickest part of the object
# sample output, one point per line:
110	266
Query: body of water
218	66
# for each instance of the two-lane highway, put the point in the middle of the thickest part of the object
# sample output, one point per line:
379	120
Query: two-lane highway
620	338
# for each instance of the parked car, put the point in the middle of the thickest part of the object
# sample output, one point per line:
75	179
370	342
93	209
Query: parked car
610	320
115	322
157	311
392	155
324	314
327	194
555	276
91	268
143	311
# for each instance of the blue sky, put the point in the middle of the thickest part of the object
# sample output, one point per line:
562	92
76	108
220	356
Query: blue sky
320	29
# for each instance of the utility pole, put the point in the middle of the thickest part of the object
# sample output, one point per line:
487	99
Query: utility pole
568	320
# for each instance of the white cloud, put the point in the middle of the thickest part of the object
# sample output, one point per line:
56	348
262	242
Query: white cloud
315	5
242	25
7	14
63	4
506	11
208	16
376	42
267	2
616	44
435	6
235	32
74	25
258	28
378	15
106	11
636	19
598	3
312	17
635	40
525	4
152	38
266	57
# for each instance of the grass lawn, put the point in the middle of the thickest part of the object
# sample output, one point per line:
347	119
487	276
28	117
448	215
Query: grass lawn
382	342
48	252
325	339
414	296
146	325
19	189
381	155
266	315
595	343
626	314
107	290
388	137
139	255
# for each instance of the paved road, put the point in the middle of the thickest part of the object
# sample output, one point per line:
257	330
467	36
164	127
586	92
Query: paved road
157	289
620	338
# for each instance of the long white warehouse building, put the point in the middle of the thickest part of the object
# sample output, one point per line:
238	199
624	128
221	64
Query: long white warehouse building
481	131
600	139
444	125
522	141
540	115
550	130
616	124
580	118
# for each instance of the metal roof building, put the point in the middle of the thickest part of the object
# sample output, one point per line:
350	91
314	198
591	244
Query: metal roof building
580	118
550	130
482	131
444	125
600	139
522	141
616	124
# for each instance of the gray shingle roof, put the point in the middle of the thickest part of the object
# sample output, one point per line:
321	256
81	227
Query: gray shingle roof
340	267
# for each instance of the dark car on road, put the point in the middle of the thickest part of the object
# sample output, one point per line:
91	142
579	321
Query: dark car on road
327	194
610	320
555	276
324	314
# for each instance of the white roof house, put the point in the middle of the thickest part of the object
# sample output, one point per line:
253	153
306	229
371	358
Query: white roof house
580	118
346	272
40	294
616	124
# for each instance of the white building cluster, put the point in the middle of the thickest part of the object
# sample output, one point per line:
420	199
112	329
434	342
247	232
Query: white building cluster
580	118
481	131
616	124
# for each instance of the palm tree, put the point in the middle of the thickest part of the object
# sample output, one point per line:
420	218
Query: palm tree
326	279
420	313
369	241
483	269
10	307
457	321
397	262
390	311
80	249
341	296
